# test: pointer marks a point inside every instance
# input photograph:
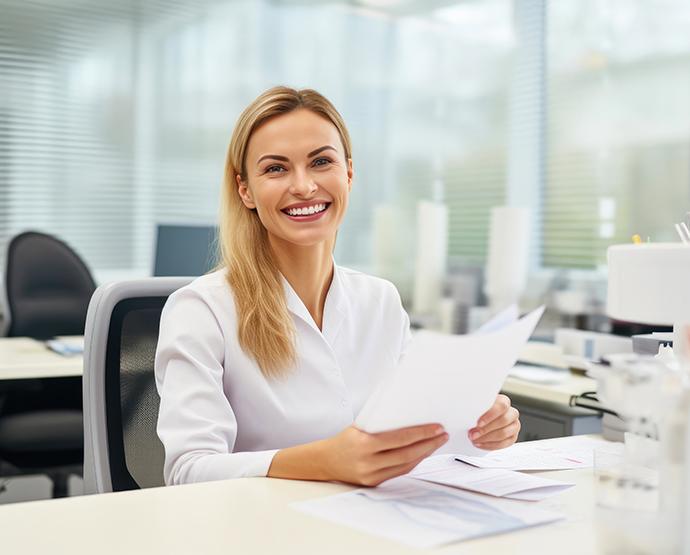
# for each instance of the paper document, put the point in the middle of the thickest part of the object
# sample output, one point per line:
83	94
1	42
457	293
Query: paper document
500	320
449	379
67	345
562	453
444	469
425	515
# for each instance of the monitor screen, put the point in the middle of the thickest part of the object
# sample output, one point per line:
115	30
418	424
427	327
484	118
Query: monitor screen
185	250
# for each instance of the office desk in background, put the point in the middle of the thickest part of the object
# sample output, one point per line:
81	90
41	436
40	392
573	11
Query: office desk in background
251	516
544	408
22	358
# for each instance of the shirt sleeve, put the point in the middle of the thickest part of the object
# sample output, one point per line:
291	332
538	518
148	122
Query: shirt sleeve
196	423
404	319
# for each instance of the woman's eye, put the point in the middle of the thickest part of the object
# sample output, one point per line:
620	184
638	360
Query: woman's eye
274	169
321	161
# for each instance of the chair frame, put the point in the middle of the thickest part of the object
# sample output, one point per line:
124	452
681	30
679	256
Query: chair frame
100	456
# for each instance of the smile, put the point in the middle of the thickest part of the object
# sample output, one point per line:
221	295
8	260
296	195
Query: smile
306	211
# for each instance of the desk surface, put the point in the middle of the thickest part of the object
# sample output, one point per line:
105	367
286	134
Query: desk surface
25	358
251	516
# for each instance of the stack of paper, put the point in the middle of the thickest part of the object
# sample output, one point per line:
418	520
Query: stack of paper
446	470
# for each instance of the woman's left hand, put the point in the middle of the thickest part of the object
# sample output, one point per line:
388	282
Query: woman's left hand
498	427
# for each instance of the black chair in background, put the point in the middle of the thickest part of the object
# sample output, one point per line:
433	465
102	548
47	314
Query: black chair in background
47	292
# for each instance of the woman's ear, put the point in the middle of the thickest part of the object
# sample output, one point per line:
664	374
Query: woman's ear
244	192
350	174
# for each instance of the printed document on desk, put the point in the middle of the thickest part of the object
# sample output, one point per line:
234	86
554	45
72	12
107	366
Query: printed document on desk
446	470
449	379
561	453
425	515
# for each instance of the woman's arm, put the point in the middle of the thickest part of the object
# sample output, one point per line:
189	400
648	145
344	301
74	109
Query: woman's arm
357	457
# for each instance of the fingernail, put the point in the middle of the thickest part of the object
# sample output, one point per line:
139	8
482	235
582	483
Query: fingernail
474	435
439	430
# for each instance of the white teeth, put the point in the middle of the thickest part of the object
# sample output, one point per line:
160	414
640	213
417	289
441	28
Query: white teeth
307	211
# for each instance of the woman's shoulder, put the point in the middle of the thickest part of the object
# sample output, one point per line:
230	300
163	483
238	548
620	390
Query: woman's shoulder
211	289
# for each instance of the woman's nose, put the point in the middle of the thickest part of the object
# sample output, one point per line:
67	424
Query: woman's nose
302	184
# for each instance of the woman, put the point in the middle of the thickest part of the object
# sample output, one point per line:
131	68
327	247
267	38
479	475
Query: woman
262	365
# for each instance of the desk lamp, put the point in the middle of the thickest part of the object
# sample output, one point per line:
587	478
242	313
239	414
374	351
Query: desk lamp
649	283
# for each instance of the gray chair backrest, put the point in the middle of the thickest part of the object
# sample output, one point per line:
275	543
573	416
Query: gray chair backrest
121	448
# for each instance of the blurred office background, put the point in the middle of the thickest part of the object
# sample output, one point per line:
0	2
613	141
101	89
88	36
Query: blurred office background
115	117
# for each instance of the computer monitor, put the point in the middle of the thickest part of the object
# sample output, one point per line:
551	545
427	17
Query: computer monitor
185	250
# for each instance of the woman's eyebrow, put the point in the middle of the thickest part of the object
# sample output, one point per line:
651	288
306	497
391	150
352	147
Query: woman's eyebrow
273	157
321	149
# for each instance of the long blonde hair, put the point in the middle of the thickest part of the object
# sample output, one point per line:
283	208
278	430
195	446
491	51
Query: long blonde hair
264	325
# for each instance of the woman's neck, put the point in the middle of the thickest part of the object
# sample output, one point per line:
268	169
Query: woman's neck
309	270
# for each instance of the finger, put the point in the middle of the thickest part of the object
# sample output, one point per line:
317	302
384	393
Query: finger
494	445
510	416
501	405
406	436
403	455
507	432
394	471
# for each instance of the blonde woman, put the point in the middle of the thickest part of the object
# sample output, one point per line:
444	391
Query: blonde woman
262	365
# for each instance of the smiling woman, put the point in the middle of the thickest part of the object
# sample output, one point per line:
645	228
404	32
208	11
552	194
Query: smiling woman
263	364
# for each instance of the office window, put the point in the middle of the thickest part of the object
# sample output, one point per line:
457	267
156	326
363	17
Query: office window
115	118
618	150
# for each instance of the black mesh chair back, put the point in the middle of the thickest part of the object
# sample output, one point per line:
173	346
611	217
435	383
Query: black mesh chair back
48	287
122	448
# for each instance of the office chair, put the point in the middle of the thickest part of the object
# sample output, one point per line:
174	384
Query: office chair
47	287
121	447
46	291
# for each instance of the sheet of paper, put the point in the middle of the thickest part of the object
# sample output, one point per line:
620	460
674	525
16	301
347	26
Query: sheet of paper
490	481
500	320
425	515
449	379
561	453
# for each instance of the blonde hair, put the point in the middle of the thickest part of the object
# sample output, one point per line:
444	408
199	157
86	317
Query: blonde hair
264	326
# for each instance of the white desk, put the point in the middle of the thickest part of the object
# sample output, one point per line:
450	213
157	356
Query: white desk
559	393
251	516
24	358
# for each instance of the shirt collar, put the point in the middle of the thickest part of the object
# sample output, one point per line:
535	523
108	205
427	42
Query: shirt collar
334	307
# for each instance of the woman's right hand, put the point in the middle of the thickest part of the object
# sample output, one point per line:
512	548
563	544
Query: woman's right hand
357	457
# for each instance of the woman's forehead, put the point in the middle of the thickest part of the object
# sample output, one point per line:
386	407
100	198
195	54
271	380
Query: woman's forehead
297	132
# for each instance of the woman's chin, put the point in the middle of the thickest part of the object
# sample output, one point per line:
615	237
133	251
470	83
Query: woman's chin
307	239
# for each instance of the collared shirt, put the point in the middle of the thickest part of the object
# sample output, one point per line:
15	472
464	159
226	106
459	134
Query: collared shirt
221	418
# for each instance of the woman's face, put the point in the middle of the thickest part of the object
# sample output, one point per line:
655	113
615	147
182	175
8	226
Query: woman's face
298	178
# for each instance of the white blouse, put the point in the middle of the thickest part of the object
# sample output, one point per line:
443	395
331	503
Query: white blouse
221	418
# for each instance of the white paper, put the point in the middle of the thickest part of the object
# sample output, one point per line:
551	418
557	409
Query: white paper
425	515
500	320
561	453
538	374
447	379
496	482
